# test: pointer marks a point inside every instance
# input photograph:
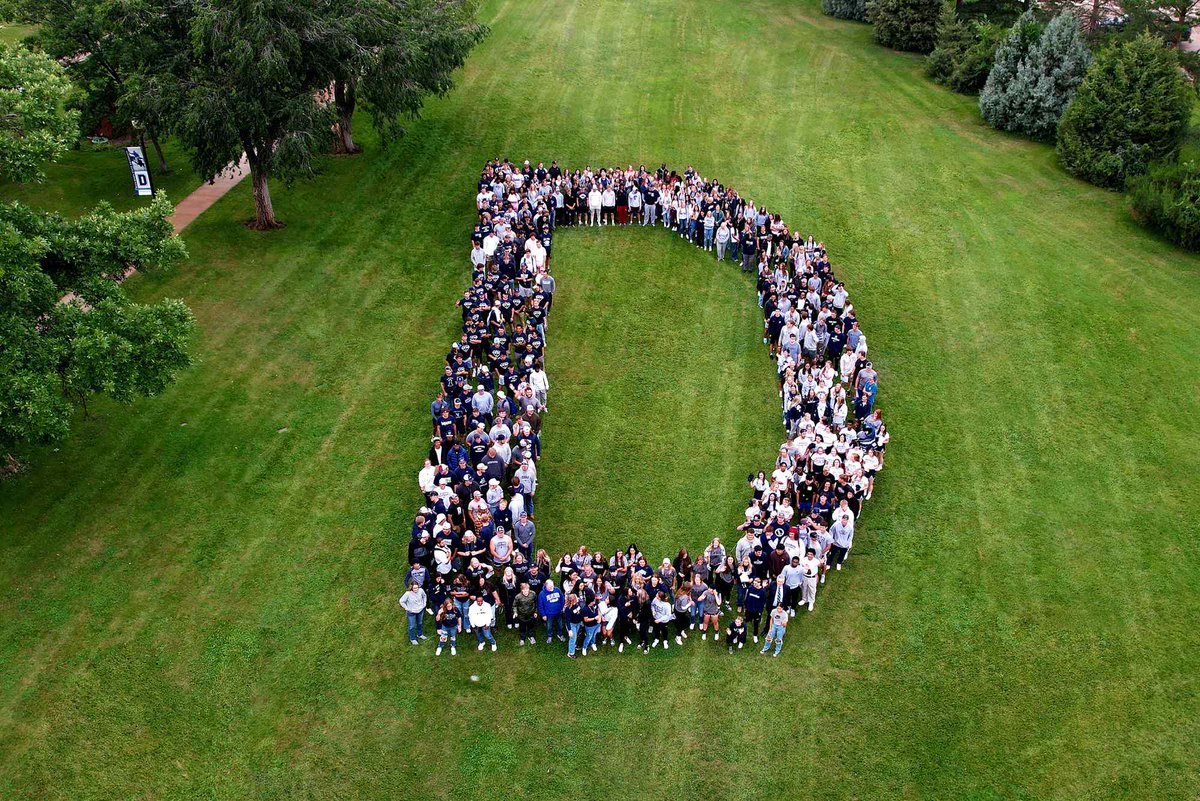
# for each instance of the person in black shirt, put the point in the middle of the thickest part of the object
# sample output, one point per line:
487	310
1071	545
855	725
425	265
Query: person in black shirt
735	634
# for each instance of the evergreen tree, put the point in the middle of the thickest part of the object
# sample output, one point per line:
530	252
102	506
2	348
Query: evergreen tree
1131	109
846	9
1047	79
997	102
953	41
905	24
964	54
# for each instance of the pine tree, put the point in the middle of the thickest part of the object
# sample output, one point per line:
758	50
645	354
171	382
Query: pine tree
998	102
1047	79
846	9
953	41
1131	109
905	24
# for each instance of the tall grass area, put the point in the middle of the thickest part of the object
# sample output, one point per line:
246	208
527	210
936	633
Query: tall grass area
198	594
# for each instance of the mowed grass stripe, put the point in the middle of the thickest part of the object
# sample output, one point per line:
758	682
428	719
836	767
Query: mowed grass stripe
209	610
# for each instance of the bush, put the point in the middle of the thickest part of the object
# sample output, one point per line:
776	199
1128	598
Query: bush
997	103
1167	199
1032	96
1131	109
905	24
846	9
964	53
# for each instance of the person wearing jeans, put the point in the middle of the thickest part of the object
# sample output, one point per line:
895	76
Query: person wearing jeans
574	614
779	622
413	603
447	624
591	627
482	615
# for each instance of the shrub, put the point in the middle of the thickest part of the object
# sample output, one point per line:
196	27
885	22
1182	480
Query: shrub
1032	96
846	9
1132	108
905	24
997	103
1167	199
964	53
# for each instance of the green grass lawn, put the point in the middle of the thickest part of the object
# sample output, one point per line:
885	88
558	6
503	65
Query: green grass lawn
198	595
11	32
92	173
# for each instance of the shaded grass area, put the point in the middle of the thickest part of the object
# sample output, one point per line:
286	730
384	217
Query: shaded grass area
91	173
209	609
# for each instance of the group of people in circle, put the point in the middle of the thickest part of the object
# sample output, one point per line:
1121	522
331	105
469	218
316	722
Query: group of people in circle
474	564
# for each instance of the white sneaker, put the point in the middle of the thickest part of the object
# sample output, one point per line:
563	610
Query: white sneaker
493	647
594	649
775	654
654	644
741	645
839	567
704	636
520	642
692	626
679	641
422	637
583	652
791	613
510	625
480	646
628	641
823	578
665	646
438	652
810	607
533	640
756	639
621	648
453	651
412	642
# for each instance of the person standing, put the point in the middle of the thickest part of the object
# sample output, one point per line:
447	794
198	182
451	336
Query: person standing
482	616
812	569
843	539
721	237
550	608
711	603
793	578
594	199
413	603
779	623
591	625
524	607
756	603
448	622
660	609
683	611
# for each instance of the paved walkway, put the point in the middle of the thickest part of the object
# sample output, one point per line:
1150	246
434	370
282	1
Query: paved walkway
200	200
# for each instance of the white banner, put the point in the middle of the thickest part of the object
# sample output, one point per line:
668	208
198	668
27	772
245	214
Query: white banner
140	171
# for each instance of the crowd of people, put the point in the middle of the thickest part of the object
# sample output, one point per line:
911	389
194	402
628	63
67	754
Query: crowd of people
474	562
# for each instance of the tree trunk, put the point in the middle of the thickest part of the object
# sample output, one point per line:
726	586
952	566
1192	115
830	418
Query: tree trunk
163	169
344	100
1094	16
264	213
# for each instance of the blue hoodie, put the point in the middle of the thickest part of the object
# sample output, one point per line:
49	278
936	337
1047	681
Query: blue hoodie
550	602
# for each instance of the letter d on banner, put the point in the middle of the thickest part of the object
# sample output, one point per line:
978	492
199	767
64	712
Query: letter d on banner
141	172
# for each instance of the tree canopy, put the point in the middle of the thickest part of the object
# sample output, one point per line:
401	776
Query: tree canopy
1131	109
35	124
